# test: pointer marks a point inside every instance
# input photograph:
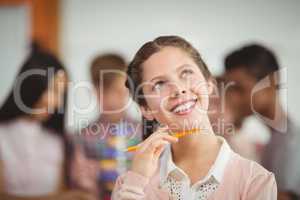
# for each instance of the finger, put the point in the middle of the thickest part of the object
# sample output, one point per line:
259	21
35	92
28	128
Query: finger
170	138
159	151
157	137
153	147
153	136
163	130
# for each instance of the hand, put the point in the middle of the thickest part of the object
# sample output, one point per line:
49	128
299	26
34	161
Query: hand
145	160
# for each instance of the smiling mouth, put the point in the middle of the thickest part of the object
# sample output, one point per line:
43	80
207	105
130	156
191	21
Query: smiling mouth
185	107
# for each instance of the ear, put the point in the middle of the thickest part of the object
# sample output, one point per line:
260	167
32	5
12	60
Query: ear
146	112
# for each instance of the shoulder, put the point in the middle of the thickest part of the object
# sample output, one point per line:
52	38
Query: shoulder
9	130
248	167
252	176
246	179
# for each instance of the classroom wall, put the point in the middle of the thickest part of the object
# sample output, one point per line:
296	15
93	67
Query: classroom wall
96	26
14	41
214	27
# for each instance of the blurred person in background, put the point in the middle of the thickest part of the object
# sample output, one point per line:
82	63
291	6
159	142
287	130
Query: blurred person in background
225	122
33	142
99	148
254	72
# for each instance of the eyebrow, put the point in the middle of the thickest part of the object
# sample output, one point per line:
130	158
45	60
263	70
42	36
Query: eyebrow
182	66
177	69
157	77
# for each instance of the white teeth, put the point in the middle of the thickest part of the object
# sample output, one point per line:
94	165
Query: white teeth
184	107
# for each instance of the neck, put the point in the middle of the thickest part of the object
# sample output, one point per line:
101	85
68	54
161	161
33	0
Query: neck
202	145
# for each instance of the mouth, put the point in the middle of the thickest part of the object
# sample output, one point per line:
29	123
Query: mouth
185	107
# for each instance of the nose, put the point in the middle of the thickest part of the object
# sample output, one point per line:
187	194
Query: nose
177	91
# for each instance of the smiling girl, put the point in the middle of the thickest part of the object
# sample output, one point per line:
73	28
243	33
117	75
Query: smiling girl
171	83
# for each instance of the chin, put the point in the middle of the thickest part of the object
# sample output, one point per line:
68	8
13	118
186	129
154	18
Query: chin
186	123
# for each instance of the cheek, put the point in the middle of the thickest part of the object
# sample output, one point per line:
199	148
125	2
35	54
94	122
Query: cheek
53	102
106	101
43	102
57	100
47	101
154	101
205	102
154	105
203	105
203	97
157	107
259	100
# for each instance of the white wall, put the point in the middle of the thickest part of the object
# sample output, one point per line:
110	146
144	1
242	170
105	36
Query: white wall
93	26
14	23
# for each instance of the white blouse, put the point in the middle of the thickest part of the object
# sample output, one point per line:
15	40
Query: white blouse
177	182
32	158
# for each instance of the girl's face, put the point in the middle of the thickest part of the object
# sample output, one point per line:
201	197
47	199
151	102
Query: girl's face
175	90
114	98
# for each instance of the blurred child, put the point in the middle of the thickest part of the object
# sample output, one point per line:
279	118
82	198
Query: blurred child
227	123
255	73
99	155
33	142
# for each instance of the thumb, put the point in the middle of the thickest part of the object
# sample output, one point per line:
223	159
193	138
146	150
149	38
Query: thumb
159	151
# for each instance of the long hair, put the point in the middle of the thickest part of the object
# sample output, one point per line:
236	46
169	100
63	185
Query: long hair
31	89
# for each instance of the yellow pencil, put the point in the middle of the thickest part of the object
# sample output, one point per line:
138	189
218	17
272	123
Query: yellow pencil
178	135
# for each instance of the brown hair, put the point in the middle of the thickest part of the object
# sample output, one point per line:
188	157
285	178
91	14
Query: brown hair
103	62
134	72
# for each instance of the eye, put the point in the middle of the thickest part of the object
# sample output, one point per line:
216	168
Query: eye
186	72
158	85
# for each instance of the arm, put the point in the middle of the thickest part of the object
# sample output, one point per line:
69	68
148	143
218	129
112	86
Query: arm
144	164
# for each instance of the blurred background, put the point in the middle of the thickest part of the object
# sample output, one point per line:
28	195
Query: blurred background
87	35
78	30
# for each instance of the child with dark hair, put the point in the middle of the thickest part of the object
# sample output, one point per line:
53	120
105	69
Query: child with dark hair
33	143
255	74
